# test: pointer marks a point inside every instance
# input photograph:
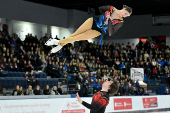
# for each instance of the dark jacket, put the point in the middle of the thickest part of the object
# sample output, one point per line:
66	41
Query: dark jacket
37	92
15	92
60	91
46	92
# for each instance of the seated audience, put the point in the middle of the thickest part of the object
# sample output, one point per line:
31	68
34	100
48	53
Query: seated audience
37	90
29	91
4	92
16	91
46	91
54	91
60	89
21	90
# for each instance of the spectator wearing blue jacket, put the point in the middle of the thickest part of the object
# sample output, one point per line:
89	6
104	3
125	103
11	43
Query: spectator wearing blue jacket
168	62
64	65
160	63
96	85
127	61
121	66
137	84
94	77
13	41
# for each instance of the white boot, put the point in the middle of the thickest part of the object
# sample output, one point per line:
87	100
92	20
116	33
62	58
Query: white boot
52	41
56	49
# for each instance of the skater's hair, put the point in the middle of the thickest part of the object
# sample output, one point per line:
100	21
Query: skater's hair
128	9
114	87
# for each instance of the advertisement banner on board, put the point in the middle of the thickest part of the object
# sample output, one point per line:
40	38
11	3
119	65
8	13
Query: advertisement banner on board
150	102
73	107
122	103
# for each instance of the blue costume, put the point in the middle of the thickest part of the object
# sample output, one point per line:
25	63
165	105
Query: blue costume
99	22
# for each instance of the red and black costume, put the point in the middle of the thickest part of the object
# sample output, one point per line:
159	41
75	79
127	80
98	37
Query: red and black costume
99	102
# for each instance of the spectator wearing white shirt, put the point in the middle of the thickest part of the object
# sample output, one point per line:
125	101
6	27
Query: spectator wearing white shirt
153	62
80	55
146	54
133	47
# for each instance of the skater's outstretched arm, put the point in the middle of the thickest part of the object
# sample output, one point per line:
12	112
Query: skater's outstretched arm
103	9
94	107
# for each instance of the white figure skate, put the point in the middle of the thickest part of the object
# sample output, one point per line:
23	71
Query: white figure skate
52	41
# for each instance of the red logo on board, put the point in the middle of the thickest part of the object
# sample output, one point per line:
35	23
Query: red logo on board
122	103
74	111
150	102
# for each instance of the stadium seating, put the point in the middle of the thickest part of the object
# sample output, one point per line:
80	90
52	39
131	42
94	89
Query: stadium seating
11	82
22	74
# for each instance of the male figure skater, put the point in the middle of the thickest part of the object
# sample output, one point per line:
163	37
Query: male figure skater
101	99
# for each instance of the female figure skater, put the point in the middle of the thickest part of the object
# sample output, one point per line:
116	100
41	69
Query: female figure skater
101	99
110	20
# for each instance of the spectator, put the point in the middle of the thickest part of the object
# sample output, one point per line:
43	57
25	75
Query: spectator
153	62
60	71
135	89
5	66
64	71
54	91
37	90
74	79
52	70
146	92
126	86
16	92
29	67
146	55
89	57
96	85
94	77
137	84
99	74
140	91
46	91
14	66
21	90
147	70
80	78
155	73
29	91
78	87
166	92
133	47
85	85
18	65
73	51
39	63
3	91
60	89
121	65
30	79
